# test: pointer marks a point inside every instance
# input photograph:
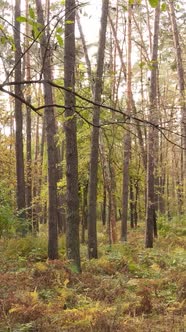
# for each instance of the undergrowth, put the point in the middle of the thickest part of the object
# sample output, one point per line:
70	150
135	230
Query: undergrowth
127	289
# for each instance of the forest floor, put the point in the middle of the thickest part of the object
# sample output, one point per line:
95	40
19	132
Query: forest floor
127	289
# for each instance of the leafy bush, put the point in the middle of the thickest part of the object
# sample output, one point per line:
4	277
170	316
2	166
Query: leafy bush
7	218
10	223
31	248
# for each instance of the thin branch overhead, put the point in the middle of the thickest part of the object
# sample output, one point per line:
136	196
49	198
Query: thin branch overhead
126	117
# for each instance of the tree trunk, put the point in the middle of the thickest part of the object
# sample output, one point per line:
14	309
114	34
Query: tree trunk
28	132
51	145
104	205
181	84
36	180
127	138
131	204
84	211
109	186
72	221
92	196
151	227
109	176
88	63
61	195
20	194
124	70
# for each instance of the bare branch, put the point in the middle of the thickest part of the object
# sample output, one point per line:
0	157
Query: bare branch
126	117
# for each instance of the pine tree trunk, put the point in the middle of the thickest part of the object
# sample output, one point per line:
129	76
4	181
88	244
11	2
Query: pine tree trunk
104	205
36	180
21	205
28	133
127	138
131	204
51	145
181	85
92	196
72	221
61	195
109	186
151	227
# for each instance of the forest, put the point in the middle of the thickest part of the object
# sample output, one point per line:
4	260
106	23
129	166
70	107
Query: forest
93	166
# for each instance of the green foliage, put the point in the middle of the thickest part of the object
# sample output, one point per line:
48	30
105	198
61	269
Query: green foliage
32	13
163	7
69	22
29	247
163	226
154	3
31	20
58	33
8	220
127	289
21	19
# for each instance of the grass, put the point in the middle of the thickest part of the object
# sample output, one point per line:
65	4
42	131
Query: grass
127	289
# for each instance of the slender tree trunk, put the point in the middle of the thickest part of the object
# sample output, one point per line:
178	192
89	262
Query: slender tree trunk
132	203
72	221
181	84
104	205
149	26
19	121
35	210
29	168
88	63
61	195
28	133
168	197
106	163
136	203
109	186
152	140
124	70
84	211
41	209
51	145
92	196
127	138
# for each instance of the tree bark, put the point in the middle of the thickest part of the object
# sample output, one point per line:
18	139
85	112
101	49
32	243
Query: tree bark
61	195
51	145
36	180
92	196
72	221
127	138
109	186
124	70
181	85
151	227
20	194
28	132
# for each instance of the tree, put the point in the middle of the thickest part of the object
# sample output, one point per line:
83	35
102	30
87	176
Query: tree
181	85
28	132
94	83
72	199
127	137
92	195
50	134
21	205
152	139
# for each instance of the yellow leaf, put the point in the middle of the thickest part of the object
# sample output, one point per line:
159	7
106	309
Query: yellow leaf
40	266
34	295
66	282
155	267
17	308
